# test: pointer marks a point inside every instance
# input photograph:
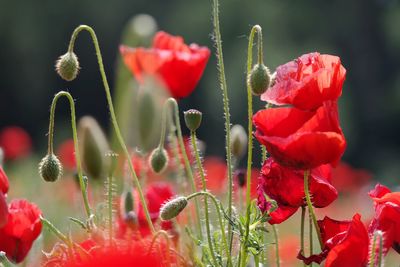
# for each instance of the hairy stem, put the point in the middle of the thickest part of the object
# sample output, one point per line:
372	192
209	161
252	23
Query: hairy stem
113	116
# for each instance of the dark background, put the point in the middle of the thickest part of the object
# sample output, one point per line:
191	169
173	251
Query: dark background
364	33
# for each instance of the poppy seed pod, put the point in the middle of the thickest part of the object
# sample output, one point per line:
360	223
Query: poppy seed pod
94	147
50	168
172	208
259	79
158	160
193	119
238	141
67	66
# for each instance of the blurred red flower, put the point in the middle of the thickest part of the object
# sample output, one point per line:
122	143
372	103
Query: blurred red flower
240	181
286	187
22	228
307	82
216	175
15	142
178	65
347	179
122	254
66	154
346	243
301	139
4	185
387	216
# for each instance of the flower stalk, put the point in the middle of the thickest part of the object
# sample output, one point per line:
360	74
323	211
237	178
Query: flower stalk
112	114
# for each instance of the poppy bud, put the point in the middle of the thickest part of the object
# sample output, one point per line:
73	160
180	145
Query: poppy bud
259	79
50	168
67	66
193	119
94	147
238	141
241	177
158	160
172	208
131	219
127	202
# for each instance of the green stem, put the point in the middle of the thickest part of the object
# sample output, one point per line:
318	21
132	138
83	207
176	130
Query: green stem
188	168
76	143
277	258
55	231
154	239
310	233
303	217
4	262
310	207
255	29
163	125
110	207
372	262
224	88
113	117
218	208
204	185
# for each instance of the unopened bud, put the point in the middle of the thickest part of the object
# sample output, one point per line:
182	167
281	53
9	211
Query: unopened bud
172	208
193	119
94	147
128	202
67	66
50	168
238	141
241	177
259	79
158	160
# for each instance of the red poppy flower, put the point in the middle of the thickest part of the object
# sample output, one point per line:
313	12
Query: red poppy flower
307	82
346	243
156	194
4	185
179	66
216	171
347	179
122	254
286	187
22	228
66	153
301	139
387	216
15	142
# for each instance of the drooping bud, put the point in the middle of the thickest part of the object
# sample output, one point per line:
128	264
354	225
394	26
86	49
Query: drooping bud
172	208
50	168
193	119
238	141
67	66
259	79
158	160
94	147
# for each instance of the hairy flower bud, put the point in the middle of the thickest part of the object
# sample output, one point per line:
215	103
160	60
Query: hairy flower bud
259	79
50	168
238	141
67	66
94	147
158	160
172	208
193	119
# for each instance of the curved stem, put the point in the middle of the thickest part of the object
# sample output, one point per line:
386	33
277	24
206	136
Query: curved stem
76	144
310	207
218	208
165	235
277	258
310	233
113	117
188	168
255	29
224	88
203	182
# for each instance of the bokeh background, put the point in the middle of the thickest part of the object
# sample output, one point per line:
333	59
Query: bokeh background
364	33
